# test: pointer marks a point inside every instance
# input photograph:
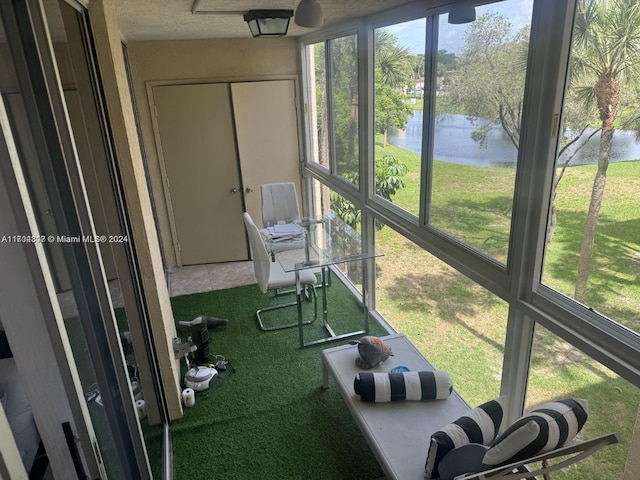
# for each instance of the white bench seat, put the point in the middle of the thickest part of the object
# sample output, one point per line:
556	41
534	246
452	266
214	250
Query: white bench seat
398	432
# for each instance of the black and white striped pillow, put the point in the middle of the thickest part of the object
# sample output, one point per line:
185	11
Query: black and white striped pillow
480	425
544	429
391	387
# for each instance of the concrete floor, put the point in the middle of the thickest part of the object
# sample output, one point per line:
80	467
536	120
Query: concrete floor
205	278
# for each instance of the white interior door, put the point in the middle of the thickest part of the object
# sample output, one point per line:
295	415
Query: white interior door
198	149
267	133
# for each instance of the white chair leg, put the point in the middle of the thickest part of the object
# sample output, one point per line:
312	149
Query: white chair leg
262	325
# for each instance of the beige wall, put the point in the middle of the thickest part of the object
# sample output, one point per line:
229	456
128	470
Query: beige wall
197	61
116	88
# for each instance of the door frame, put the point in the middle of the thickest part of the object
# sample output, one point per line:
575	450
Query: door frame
158	145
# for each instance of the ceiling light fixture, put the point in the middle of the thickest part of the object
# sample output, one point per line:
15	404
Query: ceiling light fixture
462	11
268	23
309	14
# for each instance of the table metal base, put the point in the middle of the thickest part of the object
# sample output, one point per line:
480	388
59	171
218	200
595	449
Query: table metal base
332	337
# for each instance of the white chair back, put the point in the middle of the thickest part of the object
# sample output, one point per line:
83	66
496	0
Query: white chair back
279	203
261	260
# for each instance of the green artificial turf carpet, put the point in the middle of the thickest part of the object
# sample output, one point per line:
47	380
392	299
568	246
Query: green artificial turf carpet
266	416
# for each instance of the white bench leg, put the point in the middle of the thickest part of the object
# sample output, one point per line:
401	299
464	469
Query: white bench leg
325	377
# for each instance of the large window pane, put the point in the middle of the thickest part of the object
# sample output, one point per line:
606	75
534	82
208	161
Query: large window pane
559	371
325	201
344	106
459	326
480	71
593	237
399	91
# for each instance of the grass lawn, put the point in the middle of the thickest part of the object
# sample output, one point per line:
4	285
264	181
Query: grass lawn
461	327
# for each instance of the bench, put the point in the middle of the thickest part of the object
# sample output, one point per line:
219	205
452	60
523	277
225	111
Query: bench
398	433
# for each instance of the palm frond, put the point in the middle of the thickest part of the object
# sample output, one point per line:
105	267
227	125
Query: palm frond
585	94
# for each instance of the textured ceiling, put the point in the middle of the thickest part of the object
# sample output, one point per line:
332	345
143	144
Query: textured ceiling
173	20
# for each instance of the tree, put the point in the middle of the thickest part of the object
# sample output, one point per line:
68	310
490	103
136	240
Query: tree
394	70
393	74
489	80
417	67
389	173
606	59
447	61
391	111
343	78
393	63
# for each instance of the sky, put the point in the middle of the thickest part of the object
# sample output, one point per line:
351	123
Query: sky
411	34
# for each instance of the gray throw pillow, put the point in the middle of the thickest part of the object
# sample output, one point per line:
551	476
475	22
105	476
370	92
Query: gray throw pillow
480	425
461	460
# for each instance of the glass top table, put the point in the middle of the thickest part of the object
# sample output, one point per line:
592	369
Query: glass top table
319	243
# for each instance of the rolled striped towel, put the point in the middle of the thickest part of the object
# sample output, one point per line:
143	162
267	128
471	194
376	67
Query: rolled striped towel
391	387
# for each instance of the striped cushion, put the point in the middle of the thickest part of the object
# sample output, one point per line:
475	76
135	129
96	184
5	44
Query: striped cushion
544	429
480	425
390	387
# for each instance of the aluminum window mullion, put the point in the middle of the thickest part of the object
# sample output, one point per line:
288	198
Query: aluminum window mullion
428	120
546	65
328	69
367	161
366	114
305	107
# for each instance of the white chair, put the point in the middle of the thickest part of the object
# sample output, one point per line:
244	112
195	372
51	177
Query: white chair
270	275
279	203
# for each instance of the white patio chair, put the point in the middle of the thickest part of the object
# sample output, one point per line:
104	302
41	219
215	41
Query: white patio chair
270	275
279	203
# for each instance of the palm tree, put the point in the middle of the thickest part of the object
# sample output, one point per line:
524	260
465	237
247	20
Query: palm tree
393	63
606	59
393	74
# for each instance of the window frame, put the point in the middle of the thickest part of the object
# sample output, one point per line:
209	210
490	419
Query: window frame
349	29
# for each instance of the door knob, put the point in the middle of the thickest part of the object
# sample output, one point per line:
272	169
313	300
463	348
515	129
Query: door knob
248	190
234	190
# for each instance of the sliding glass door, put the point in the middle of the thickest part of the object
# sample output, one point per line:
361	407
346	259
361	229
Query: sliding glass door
57	122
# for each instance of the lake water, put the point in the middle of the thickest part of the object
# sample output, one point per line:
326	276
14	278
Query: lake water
453	143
